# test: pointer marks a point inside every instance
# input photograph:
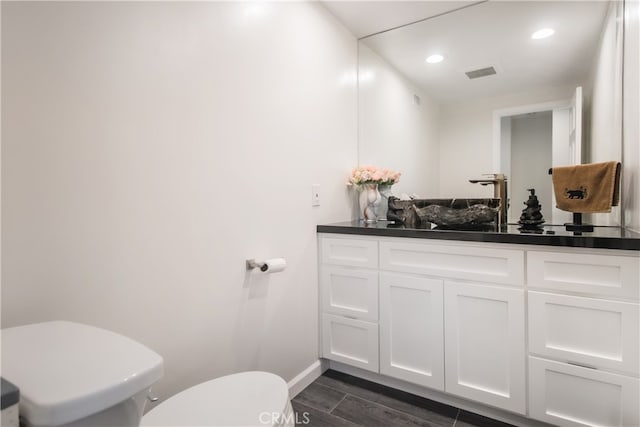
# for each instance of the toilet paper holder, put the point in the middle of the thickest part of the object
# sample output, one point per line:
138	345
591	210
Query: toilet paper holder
274	265
251	264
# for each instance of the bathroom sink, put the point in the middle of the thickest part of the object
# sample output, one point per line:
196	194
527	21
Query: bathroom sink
453	213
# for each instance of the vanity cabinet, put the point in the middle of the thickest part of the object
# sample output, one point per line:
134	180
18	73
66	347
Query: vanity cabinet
442	308
550	333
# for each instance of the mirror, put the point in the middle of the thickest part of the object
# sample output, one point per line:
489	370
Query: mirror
498	101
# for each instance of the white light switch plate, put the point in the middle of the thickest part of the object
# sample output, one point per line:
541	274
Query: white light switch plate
315	195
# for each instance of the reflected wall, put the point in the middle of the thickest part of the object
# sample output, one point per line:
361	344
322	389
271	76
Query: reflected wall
398	125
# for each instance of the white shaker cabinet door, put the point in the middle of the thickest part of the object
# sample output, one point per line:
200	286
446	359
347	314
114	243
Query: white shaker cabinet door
462	262
598	274
485	344
349	252
568	395
589	331
350	341
350	292
411	329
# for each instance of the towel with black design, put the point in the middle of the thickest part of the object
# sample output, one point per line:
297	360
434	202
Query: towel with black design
588	188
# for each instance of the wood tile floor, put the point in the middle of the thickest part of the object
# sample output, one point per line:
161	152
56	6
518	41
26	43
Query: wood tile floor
337	399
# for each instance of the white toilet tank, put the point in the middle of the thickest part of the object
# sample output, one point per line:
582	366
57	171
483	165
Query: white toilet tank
71	374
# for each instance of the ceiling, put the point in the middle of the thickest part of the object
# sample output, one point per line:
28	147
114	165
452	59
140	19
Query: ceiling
363	17
494	33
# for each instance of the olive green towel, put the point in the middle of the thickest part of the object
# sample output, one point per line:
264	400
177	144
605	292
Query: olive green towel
590	188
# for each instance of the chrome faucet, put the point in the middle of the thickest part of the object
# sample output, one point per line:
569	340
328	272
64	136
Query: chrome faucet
499	182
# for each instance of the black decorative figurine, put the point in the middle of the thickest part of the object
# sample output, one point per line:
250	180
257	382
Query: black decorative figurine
531	218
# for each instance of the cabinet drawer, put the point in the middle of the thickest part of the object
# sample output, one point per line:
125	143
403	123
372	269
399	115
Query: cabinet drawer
350	292
349	252
566	395
598	274
595	332
504	266
354	342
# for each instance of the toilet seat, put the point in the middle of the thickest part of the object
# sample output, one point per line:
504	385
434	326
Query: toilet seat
244	399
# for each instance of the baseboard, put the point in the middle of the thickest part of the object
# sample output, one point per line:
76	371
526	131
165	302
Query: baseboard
306	377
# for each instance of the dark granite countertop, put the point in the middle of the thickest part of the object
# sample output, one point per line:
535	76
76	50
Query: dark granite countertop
552	235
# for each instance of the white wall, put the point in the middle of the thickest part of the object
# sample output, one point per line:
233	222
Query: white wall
604	134
149	149
606	105
466	139
631	132
394	131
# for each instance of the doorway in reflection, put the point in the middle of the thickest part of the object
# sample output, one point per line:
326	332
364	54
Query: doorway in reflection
527	143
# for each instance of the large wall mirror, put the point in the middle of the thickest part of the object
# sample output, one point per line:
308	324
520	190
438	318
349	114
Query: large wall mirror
473	91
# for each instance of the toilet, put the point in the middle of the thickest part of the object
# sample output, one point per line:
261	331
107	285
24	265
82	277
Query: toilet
75	375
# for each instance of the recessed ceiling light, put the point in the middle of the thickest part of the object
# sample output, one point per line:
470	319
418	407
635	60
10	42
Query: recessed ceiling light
434	59
543	33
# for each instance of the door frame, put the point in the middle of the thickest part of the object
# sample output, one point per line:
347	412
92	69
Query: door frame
557	216
514	111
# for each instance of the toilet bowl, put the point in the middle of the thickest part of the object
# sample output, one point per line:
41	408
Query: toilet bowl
237	400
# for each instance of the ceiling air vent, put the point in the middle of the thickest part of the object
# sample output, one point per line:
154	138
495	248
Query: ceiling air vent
482	72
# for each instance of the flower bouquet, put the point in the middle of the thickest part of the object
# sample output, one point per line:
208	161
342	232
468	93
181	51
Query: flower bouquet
368	179
367	175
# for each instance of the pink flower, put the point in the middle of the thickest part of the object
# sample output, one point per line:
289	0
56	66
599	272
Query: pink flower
369	174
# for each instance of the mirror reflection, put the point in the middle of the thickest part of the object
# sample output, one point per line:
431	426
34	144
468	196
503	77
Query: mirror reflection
513	87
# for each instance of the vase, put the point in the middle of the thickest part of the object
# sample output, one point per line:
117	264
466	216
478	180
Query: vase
385	193
369	199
